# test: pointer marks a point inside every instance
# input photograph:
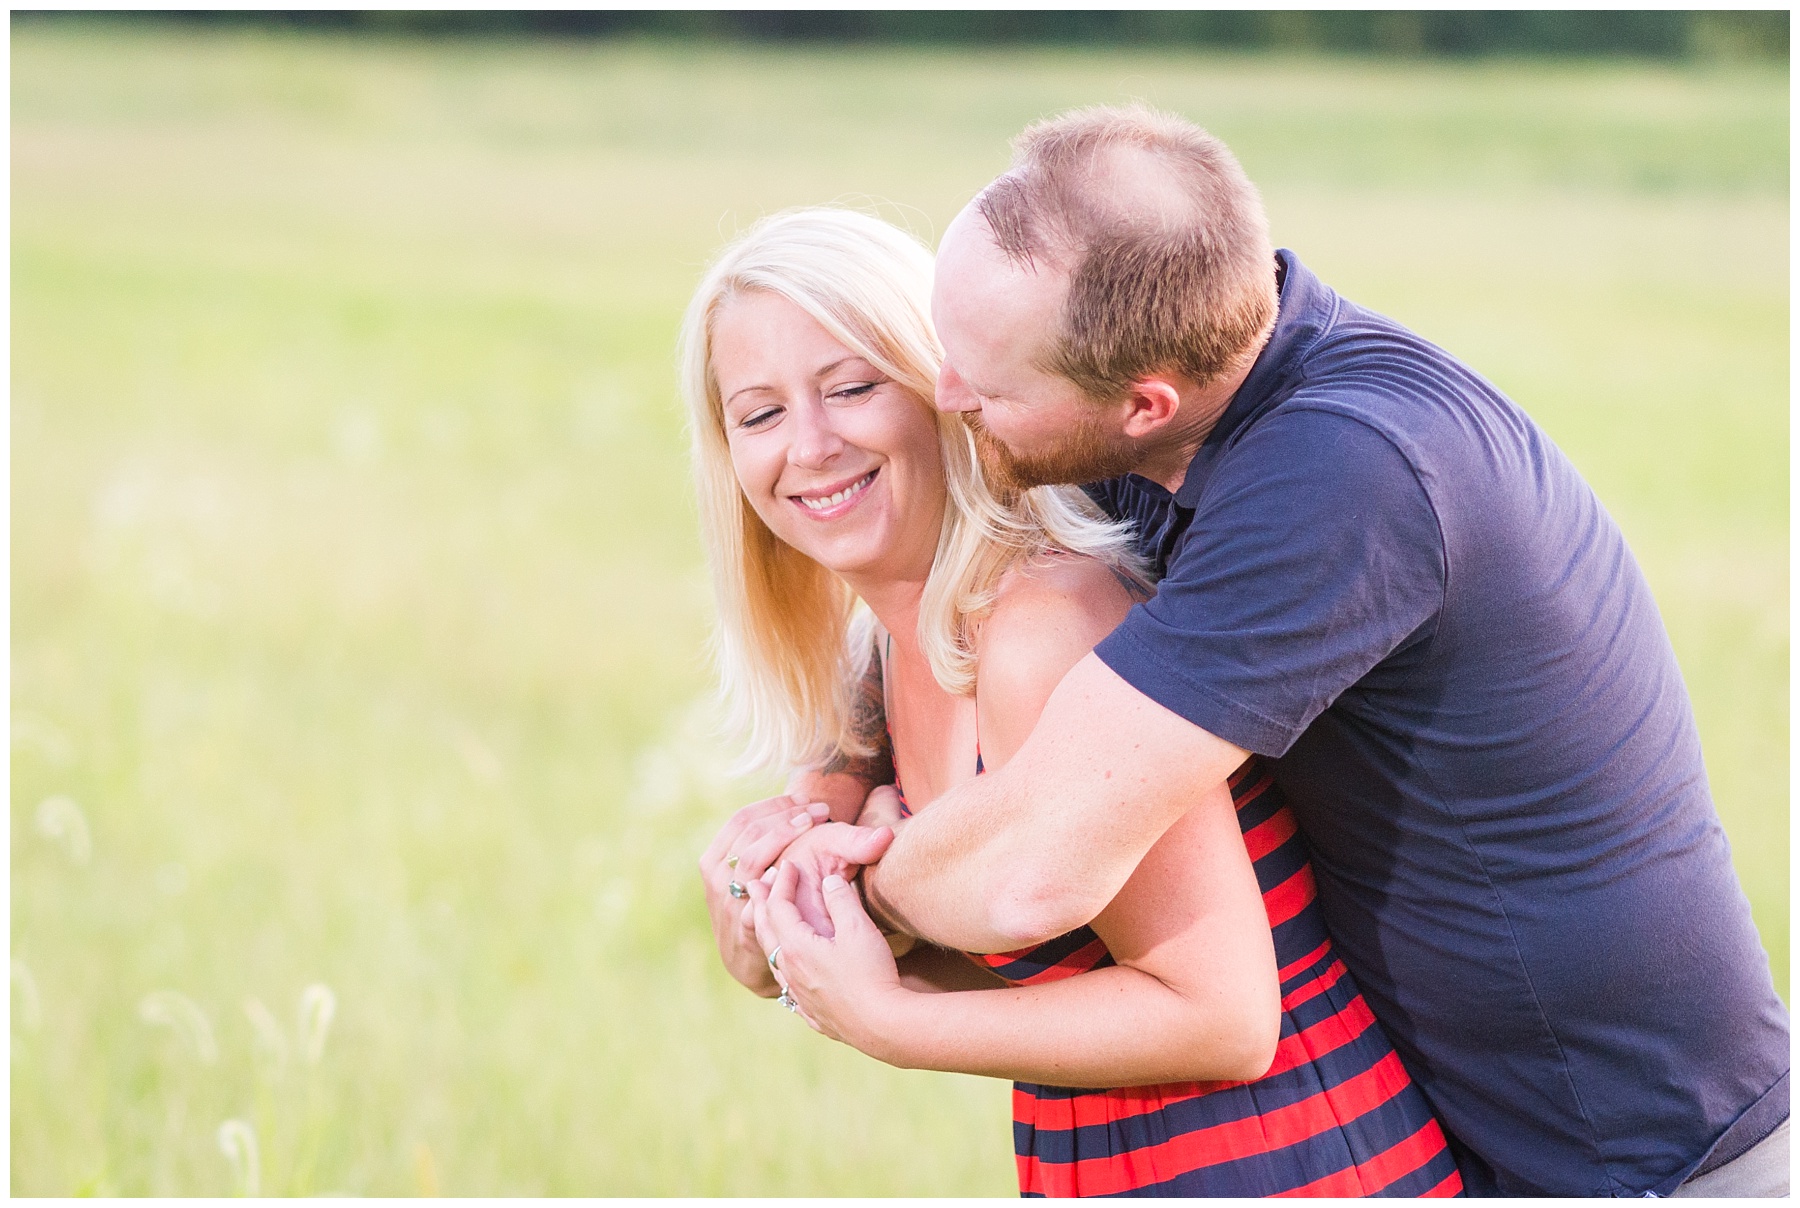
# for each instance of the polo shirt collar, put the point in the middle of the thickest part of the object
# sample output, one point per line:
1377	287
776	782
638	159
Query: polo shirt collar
1303	312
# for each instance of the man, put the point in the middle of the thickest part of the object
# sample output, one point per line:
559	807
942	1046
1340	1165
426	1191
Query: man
1382	576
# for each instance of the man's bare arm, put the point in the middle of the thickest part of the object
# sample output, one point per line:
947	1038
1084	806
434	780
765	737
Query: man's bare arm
845	780
1040	846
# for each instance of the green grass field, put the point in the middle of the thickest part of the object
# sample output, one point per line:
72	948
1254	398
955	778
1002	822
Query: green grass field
357	604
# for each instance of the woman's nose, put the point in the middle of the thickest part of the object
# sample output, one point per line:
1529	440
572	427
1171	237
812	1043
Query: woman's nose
816	440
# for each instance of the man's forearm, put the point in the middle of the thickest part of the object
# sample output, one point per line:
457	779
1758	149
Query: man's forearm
886	916
1040	846
930	883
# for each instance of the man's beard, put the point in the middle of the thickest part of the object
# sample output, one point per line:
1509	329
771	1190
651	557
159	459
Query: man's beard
1087	454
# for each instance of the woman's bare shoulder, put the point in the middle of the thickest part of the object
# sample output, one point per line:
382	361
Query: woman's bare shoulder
1048	612
1058	589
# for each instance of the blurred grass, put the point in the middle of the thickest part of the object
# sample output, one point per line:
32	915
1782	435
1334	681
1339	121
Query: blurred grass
356	596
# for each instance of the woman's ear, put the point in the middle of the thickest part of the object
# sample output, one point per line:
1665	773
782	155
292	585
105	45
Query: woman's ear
1150	404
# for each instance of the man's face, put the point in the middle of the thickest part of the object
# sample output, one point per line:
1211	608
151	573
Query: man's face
995	318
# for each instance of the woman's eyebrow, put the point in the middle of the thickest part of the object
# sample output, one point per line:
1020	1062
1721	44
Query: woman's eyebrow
745	390
835	365
822	371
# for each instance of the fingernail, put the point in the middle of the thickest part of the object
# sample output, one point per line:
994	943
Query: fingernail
819	811
801	820
768	878
832	882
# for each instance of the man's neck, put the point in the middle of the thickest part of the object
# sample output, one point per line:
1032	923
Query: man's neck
1167	463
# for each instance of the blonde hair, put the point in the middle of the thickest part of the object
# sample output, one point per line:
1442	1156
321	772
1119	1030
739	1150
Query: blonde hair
791	640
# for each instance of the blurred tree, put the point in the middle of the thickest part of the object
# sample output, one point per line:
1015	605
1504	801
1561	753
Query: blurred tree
1463	33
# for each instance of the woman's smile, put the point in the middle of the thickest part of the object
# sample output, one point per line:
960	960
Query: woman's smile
830	502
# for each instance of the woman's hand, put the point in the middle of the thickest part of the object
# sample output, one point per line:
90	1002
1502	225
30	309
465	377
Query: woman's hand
834	848
846	986
749	842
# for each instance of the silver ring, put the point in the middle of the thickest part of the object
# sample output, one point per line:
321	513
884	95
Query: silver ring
787	1000
737	891
772	957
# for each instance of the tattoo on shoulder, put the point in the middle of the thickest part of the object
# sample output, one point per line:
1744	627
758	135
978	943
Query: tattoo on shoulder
868	730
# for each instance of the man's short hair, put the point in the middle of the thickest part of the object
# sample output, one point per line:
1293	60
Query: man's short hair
1163	236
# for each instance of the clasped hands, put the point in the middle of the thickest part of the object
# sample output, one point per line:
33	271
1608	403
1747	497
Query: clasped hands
794	869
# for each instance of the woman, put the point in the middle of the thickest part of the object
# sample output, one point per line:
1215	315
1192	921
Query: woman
1177	1045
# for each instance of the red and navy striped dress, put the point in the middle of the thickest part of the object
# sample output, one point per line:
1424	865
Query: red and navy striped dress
1336	1115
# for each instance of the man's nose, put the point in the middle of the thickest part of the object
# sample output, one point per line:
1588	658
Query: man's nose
953	394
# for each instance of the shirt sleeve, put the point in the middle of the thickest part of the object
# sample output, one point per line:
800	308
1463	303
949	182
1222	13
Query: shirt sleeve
1314	553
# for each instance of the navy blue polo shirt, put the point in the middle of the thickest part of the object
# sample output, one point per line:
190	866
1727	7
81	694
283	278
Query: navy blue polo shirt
1383	576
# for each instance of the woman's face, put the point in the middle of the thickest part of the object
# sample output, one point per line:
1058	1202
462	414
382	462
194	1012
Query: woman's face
839	460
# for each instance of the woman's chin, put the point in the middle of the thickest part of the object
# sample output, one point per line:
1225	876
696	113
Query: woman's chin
867	545
845	546
852	558
850	563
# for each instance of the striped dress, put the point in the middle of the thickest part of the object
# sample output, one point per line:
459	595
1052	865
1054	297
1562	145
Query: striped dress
1336	1115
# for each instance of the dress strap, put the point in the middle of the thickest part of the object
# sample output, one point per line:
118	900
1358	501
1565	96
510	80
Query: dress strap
899	790
979	769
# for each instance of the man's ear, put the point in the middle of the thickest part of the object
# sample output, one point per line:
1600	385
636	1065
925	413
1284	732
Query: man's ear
1150	405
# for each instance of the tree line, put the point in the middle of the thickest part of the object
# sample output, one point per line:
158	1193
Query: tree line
1461	33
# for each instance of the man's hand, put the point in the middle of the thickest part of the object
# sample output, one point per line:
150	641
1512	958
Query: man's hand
834	849
882	807
745	847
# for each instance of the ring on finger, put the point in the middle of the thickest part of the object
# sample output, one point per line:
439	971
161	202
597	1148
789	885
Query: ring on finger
737	891
787	1000
773	956
731	860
